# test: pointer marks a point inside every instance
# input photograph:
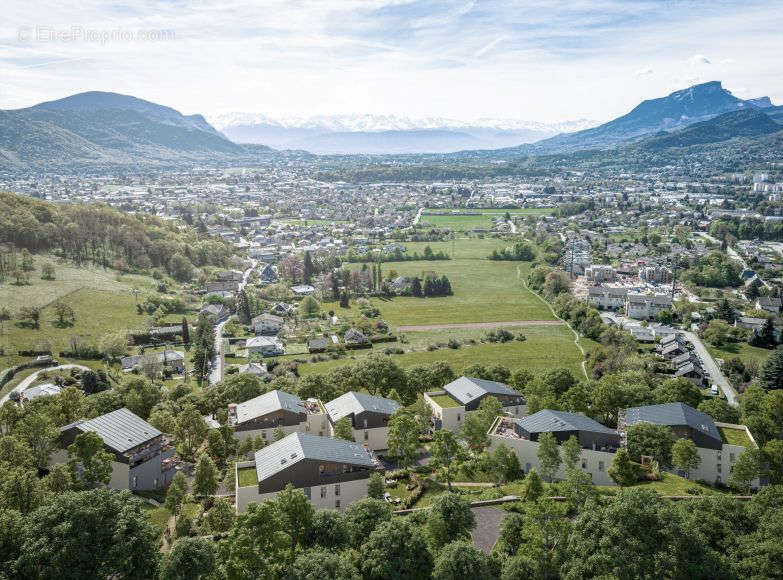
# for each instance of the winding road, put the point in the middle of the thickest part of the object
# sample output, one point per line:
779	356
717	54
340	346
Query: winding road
27	381
716	376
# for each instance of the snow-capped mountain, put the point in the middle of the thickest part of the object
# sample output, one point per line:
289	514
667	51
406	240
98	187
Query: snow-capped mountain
385	133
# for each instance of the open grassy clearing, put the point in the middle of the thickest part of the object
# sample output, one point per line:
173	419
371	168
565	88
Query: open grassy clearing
159	516
480	217
742	350
98	312
484	291
68	278
549	347
247	477
735	437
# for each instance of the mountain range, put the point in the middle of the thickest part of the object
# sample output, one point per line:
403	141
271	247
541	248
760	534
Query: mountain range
385	134
99	130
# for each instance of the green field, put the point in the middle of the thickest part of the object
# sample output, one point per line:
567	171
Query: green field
246	477
546	347
735	437
742	350
484	291
481	217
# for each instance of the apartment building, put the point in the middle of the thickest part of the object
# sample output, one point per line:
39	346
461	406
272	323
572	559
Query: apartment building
263	415
606	297
144	458
600	273
645	307
369	416
332	473
464	395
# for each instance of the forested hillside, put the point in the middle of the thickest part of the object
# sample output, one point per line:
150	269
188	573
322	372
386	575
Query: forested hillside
104	236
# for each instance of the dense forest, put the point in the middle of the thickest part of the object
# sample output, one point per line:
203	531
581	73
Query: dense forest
103	236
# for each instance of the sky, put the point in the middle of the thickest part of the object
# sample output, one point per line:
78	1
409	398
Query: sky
528	60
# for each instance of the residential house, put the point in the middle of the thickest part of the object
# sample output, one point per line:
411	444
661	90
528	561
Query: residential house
599	443
318	344
253	368
230	275
264	414
354	336
369	417
144	458
269	275
265	346
267	323
44	390
283	309
217	311
769	304
464	395
221	286
332	473
303	290
171	360
606	297
719	444
644	307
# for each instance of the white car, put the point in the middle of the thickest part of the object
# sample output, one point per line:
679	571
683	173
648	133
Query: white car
714	390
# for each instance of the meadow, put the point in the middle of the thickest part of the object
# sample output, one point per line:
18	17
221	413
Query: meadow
480	218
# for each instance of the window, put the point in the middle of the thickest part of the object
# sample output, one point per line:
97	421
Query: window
459	417
719	468
366	435
307	426
600	466
263	434
365	423
584	463
337	504
135	482
323	491
320	469
527	467
336	489
731	457
155	483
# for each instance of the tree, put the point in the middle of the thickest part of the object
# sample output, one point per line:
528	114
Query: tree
364	516
21	490
295	514
449	518
746	469
717	332
88	460
403	440
9	416
185	331
460	561
47	271
329	530
184	526
65	314
175	495
651	440
140	396
504	464
578	488
114	345
679	390
320	564
772	370
180	268
255	545
375	486
548	455
59	479
556	283
343	429
622	470
220	516
40	434
572	450
445	451
395	550
205	477
685	456
115	538
309	307
773	454
533	487
416	289
188	559
190	430
474	432
719	410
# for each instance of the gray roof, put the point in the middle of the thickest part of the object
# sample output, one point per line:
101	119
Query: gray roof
467	389
673	414
353	402
298	446
268	403
120	430
549	421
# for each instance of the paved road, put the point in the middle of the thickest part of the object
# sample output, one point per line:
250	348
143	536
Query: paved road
716	376
218	360
418	216
487	531
454	326
22	386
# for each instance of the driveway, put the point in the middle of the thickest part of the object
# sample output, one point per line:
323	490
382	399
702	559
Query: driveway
716	376
487	531
22	386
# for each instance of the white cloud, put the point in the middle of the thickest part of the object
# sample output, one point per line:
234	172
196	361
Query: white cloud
489	46
644	71
699	59
726	61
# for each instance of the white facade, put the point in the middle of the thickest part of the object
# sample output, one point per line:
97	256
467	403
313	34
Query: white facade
315	424
451	418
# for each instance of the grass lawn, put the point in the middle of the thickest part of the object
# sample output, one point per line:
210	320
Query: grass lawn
669	484
742	350
97	312
444	401
247	477
159	516
478	218
735	437
553	346
484	291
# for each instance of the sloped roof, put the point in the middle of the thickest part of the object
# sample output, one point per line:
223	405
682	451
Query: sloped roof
120	430
268	403
353	402
673	414
549	421
295	447
467	389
